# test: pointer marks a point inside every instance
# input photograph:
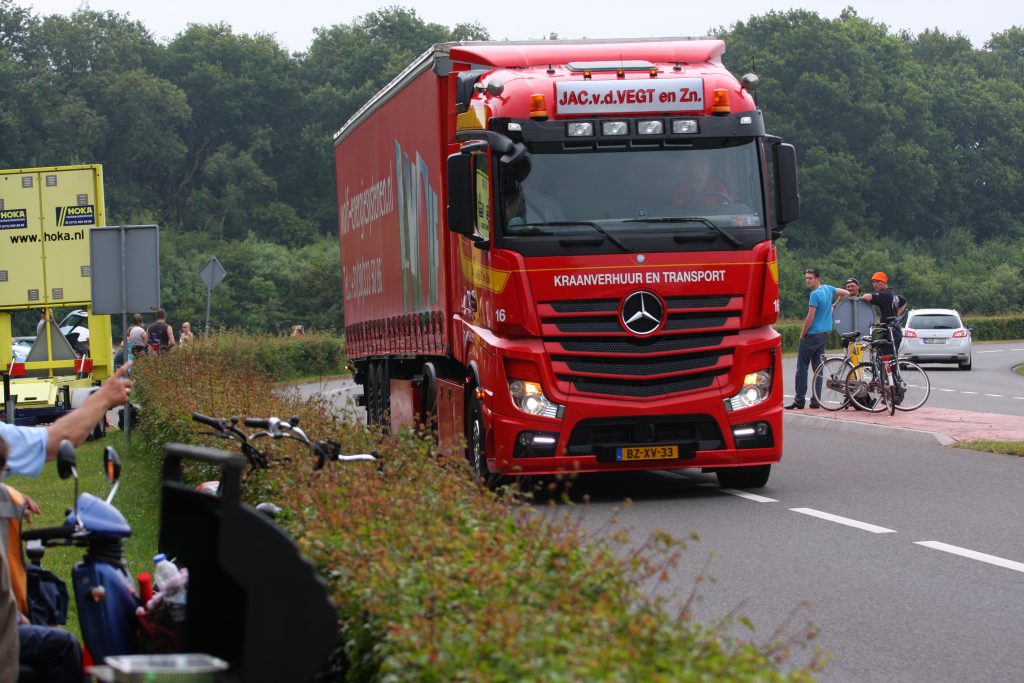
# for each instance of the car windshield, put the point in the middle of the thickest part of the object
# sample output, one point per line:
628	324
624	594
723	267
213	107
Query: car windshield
707	190
940	321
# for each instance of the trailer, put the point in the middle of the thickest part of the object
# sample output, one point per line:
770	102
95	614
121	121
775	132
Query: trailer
45	217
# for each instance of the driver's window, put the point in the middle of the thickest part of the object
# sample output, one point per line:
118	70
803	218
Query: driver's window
482	183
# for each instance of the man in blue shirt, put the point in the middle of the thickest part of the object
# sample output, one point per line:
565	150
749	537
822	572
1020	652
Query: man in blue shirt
814	334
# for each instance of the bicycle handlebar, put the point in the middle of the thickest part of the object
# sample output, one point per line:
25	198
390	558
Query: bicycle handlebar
214	422
275	428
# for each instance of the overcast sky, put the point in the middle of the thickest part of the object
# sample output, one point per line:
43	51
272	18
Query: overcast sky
293	21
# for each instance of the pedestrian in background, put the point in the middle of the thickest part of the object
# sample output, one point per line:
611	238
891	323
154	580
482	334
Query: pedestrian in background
161	334
853	286
817	325
186	337
890	305
138	340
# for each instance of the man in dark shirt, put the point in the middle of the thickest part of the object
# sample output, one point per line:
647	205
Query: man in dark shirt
161	335
890	305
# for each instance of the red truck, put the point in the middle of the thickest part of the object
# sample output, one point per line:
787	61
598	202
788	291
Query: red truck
561	256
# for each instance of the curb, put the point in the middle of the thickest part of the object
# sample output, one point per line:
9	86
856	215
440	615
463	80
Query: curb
838	426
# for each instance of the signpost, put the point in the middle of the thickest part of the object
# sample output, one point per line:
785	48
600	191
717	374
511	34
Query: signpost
211	274
125	277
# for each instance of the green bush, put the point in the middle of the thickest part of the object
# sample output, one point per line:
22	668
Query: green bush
438	579
282	357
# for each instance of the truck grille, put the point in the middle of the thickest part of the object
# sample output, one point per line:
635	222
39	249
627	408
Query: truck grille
590	350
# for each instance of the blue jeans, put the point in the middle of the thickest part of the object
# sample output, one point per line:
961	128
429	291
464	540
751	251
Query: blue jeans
811	352
54	654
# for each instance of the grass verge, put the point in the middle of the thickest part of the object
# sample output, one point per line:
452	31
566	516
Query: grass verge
987	446
138	499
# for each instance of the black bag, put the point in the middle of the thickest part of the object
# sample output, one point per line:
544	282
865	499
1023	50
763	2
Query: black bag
47	597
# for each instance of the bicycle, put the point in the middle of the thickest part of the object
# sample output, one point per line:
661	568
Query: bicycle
274	428
828	384
885	382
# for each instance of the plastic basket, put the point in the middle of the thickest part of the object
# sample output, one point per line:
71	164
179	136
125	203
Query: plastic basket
183	668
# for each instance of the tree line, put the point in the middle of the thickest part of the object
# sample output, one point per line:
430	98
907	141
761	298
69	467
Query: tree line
910	147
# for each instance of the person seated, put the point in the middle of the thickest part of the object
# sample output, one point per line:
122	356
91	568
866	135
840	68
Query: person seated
700	187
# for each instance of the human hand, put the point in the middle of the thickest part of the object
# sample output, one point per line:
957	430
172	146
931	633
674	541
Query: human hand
118	387
31	508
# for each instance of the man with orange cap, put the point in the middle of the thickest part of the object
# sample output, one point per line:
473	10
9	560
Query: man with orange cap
890	305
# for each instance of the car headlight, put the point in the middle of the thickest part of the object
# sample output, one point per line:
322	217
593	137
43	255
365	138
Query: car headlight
756	388
529	397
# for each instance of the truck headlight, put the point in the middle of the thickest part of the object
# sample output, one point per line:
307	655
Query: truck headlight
756	387
529	397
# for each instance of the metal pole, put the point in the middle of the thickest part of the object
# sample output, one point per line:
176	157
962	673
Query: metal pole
124	327
9	400
207	332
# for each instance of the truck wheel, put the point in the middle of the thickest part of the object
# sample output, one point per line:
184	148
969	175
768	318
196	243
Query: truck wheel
99	431
476	439
428	410
744	477
370	393
383	399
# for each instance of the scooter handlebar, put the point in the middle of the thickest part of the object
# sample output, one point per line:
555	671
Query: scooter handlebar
48	534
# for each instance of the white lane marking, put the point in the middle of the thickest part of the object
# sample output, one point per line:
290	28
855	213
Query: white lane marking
952	390
969	392
844	520
995	395
674	475
998	350
973	554
743	494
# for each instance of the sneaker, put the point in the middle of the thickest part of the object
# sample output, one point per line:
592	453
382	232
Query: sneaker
795	405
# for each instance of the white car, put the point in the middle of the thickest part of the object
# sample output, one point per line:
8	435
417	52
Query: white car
937	335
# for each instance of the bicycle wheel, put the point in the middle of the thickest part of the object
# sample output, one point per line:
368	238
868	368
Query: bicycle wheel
889	391
863	388
831	376
913	387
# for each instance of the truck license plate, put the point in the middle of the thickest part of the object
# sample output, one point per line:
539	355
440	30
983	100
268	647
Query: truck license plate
629	453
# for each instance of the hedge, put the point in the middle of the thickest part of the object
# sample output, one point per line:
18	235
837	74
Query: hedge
437	578
986	328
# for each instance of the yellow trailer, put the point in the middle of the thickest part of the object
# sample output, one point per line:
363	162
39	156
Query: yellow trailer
45	217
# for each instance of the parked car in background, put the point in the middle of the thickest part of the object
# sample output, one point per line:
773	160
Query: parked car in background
937	335
20	346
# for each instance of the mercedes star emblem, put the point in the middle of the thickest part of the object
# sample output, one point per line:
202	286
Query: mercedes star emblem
642	313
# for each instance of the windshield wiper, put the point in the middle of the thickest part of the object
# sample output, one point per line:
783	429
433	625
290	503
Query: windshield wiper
688	219
595	226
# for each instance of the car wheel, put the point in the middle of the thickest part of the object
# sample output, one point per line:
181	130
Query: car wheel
966	366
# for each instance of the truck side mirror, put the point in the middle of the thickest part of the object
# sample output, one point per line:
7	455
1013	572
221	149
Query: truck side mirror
787	194
461	203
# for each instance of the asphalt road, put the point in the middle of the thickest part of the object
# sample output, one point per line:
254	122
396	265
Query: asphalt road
990	386
888	608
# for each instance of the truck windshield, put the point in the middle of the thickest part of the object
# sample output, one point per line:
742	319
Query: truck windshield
715	190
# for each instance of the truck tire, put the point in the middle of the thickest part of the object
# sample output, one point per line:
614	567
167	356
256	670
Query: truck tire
383	398
476	441
372	390
99	431
744	477
428	406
